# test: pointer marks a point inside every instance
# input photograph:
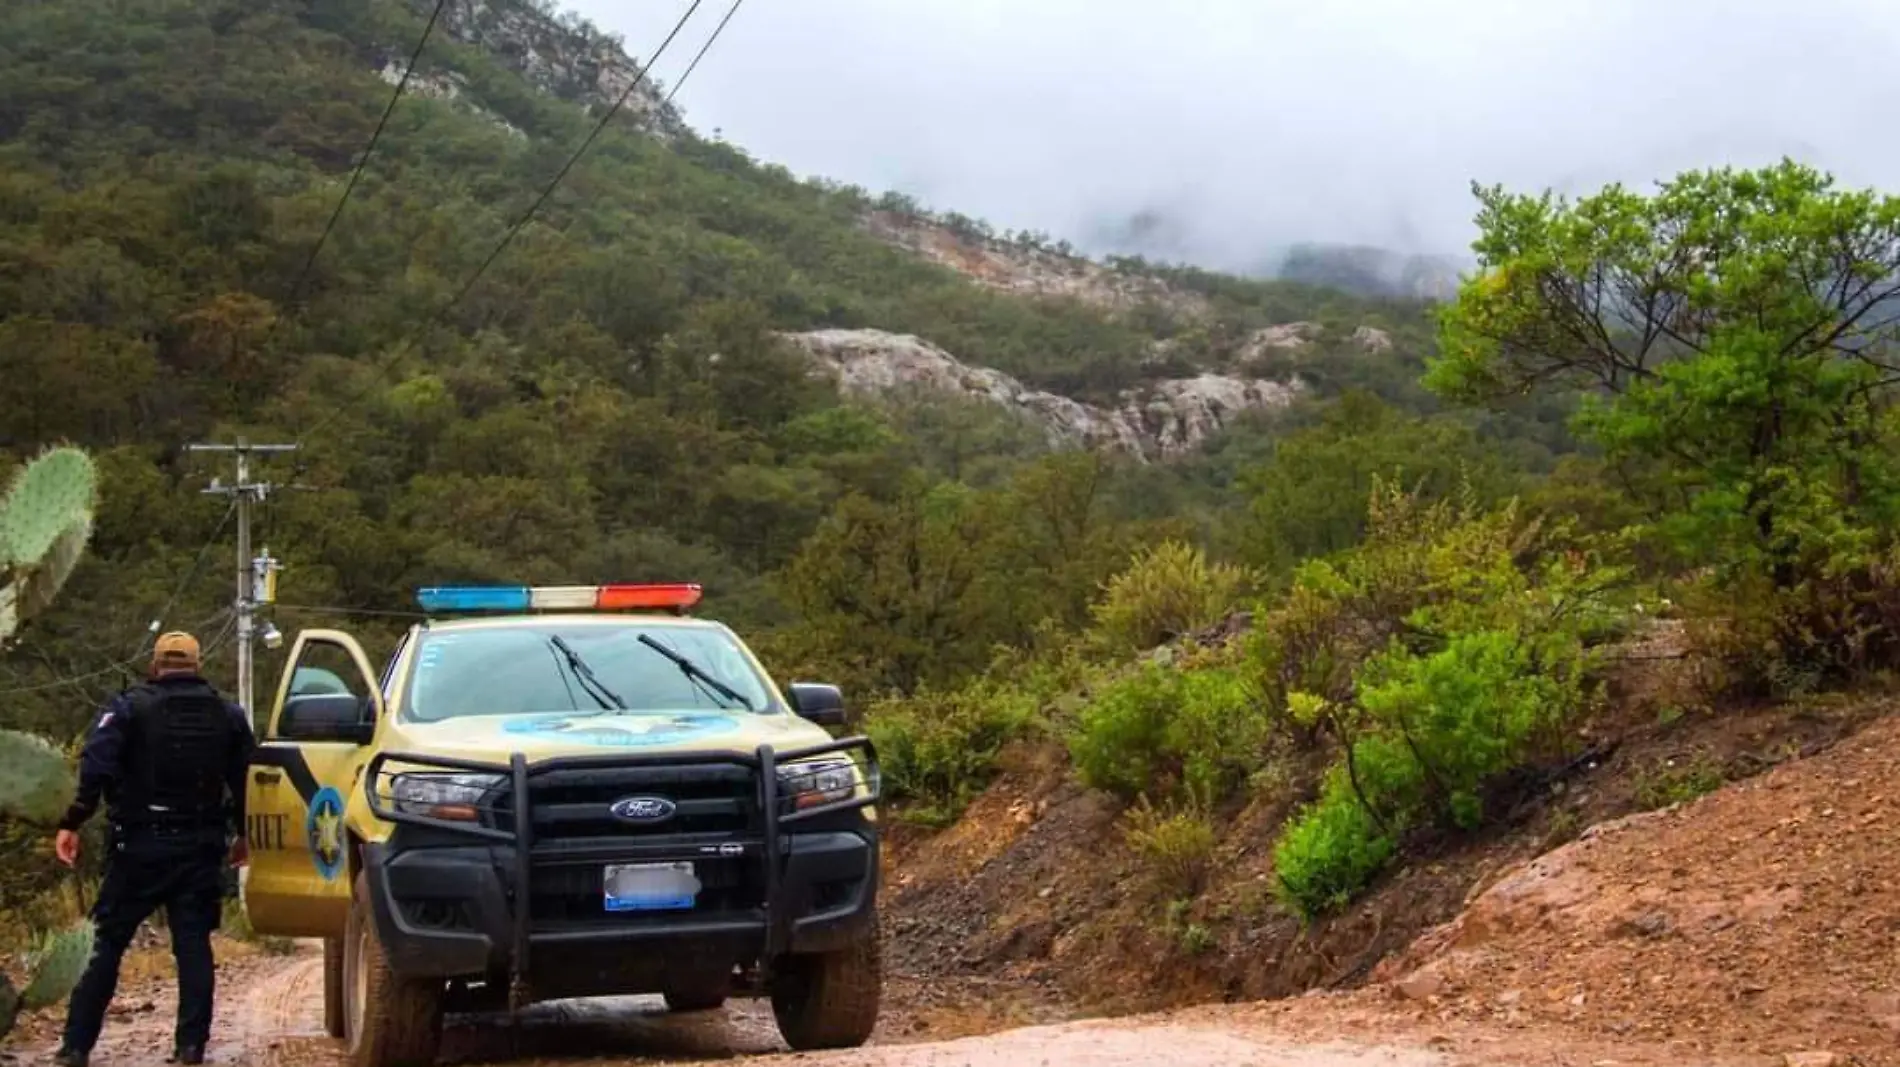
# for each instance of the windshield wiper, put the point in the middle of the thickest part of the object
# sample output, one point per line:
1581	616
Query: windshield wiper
696	673
605	697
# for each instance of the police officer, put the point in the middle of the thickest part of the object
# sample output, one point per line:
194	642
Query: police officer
169	758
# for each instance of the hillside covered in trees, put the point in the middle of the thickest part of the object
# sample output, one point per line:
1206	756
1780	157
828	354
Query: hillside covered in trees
1257	681
608	401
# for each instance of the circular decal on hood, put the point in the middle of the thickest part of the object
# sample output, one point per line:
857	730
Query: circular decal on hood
622	731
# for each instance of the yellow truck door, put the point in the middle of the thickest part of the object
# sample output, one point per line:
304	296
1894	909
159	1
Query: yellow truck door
301	779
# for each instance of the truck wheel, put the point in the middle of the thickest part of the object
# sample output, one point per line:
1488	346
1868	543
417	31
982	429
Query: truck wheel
392	1021
829	1000
334	1007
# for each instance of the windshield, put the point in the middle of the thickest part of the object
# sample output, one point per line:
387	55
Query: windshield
550	667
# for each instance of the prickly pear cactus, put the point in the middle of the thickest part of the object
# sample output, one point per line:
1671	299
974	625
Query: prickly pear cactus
36	780
35	783
45	522
56	967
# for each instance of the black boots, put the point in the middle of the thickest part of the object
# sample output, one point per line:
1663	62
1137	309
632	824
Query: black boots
187	1054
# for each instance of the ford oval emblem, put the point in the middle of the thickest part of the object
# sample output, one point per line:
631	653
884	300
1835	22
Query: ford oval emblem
643	809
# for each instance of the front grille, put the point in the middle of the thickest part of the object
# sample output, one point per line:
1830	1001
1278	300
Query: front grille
576	804
575	832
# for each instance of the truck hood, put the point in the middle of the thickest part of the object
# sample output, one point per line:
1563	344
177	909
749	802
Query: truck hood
495	738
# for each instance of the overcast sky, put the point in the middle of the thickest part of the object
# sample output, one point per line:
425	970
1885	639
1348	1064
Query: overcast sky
1244	125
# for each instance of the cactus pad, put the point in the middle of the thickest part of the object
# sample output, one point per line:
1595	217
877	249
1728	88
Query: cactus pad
51	497
36	588
58	967
36	780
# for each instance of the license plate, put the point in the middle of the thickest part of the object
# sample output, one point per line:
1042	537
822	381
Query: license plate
651	886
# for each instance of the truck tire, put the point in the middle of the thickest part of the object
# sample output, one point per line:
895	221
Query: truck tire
393	1021
334	1008
829	1000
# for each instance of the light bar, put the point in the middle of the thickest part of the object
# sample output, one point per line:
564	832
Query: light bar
676	596
679	595
474	598
563	597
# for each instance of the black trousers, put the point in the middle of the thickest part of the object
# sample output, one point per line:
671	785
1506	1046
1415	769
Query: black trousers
181	871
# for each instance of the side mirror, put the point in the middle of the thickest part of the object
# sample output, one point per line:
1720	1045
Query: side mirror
326	717
822	704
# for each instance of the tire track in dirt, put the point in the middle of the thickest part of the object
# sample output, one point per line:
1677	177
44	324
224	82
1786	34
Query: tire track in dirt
279	1021
271	1014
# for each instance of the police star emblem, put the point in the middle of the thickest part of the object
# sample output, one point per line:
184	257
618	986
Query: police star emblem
325	831
329	837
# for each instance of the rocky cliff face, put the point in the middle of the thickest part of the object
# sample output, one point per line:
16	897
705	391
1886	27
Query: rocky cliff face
564	56
1162	420
1029	271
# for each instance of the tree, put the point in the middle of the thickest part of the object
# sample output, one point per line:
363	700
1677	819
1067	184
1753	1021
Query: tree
1309	498
1734	333
884	589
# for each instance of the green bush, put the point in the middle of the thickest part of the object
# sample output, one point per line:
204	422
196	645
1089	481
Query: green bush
937	750
1331	851
1176	844
1835	628
1478	707
1168	591
1449	649
1668	784
1161	731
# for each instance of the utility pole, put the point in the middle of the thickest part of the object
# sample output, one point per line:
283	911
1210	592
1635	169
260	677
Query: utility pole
250	571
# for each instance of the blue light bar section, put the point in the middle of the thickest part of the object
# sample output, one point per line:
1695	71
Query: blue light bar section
448	598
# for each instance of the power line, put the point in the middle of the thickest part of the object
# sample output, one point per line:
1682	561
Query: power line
599	127
190	574
103	671
116	666
324	609
356	175
220	639
703	49
521	223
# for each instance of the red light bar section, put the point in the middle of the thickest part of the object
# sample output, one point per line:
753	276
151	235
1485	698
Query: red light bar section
678	595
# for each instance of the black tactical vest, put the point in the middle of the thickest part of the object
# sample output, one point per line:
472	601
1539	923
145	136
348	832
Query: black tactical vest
177	751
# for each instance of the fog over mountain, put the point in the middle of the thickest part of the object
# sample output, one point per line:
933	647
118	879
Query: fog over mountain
1225	131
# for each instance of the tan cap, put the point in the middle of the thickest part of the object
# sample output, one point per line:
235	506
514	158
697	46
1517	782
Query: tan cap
175	651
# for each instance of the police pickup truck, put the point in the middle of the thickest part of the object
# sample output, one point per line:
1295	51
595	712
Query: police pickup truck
558	792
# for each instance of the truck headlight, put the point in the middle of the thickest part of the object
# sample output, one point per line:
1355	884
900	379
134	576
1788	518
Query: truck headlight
817	782
456	797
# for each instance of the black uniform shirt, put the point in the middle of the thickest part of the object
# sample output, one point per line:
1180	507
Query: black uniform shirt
102	764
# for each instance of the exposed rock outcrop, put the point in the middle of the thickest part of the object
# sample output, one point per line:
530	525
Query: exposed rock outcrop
1174	416
1372	339
1285	337
1030	271
1162	420
564	56
443	85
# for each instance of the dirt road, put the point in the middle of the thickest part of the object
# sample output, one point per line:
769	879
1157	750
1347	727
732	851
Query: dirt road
270	1015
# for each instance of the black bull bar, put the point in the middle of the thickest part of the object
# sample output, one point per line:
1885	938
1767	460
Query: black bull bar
518	772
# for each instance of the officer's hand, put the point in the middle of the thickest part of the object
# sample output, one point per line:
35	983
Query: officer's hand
66	847
240	852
